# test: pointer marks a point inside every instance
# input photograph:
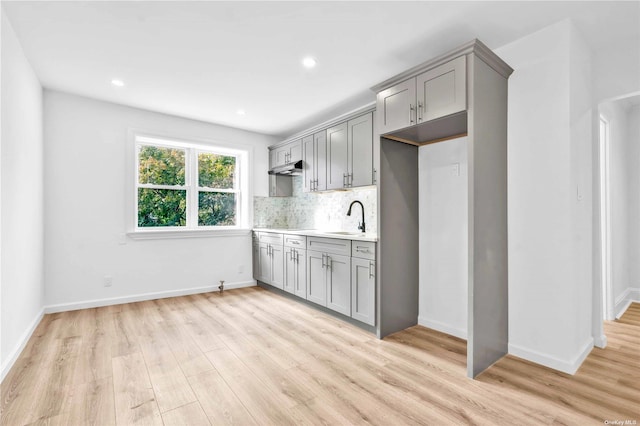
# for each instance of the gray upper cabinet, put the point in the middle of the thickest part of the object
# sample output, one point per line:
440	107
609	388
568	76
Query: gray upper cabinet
289	153
396	106
442	90
360	151
436	93
337	157
314	162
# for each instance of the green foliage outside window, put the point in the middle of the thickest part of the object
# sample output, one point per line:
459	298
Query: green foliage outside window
161	166
159	207
216	171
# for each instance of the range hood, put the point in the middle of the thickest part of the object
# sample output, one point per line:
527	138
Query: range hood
289	169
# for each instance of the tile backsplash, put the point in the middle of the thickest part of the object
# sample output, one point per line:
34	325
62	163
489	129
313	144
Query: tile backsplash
316	210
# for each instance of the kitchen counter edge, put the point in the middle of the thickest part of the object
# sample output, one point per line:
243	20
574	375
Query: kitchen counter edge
324	234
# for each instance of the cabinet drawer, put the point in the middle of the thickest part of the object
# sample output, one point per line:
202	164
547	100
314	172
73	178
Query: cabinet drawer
298	241
363	250
329	245
270	238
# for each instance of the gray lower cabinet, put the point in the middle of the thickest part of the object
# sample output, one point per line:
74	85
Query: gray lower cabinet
338	276
295	271
316	278
363	290
329	280
335	273
271	264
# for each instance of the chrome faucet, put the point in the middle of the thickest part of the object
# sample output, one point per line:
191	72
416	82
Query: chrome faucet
361	226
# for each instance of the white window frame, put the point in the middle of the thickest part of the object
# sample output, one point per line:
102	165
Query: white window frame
192	149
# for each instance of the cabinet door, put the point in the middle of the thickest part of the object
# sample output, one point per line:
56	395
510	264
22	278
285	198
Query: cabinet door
396	106
290	267
308	163
277	266
300	277
442	90
337	158
320	142
363	290
360	152
316	283
295	151
339	283
264	266
282	155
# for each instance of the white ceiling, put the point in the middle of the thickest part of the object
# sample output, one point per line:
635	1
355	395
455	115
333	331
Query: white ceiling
206	60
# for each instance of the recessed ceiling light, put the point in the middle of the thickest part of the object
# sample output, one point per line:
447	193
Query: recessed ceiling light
117	82
240	112
309	62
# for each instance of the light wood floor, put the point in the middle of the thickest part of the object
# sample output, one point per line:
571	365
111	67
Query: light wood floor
249	357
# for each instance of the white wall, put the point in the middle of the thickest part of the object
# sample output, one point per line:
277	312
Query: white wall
549	301
443	241
22	199
85	160
633	135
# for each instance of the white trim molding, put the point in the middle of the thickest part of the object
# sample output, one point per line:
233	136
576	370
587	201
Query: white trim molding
565	366
13	356
96	303
630	295
442	327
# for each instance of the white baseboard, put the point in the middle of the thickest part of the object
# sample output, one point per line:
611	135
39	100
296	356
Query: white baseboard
569	367
13	356
142	297
630	295
442	327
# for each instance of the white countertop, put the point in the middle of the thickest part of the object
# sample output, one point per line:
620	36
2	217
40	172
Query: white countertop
344	235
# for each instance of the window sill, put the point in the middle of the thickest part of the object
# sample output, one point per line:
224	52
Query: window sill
161	234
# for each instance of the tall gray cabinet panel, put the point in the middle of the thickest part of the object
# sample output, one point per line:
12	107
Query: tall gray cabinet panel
460	93
487	153
360	150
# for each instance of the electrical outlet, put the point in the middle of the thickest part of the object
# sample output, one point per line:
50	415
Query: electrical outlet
108	280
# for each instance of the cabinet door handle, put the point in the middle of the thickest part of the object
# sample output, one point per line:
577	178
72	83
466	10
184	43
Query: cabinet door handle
324	265
362	249
411	109
344	180
297	256
350	183
291	254
374	176
370	269
419	111
328	262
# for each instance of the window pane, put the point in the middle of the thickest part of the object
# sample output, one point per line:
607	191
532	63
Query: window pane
216	209
216	171
161	166
162	207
